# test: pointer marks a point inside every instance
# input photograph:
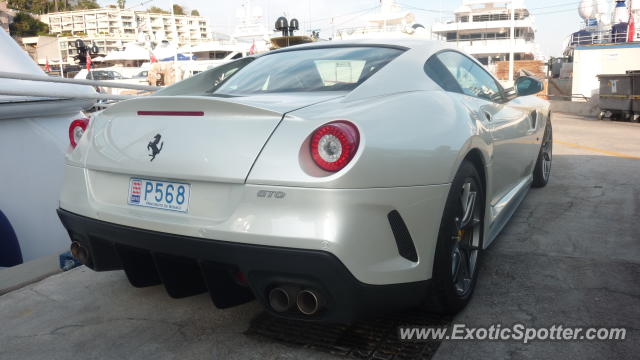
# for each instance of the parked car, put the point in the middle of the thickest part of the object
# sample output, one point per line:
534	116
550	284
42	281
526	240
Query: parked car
330	181
98	75
114	76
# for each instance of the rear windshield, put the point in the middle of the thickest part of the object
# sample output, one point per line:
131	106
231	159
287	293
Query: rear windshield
304	70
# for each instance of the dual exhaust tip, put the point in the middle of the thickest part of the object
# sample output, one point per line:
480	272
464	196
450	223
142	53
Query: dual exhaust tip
283	298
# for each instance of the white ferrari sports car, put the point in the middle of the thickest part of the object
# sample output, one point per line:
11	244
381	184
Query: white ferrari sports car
329	181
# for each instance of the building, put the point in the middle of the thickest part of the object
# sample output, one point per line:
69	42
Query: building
42	49
111	28
482	29
6	16
129	24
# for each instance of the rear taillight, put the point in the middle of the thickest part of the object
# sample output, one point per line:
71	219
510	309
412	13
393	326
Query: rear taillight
76	130
334	144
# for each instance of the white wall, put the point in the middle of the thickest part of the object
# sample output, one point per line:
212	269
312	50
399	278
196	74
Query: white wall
591	61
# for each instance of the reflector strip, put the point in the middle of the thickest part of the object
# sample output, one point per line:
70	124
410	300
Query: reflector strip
172	113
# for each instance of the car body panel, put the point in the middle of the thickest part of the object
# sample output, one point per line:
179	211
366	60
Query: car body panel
305	218
228	134
377	163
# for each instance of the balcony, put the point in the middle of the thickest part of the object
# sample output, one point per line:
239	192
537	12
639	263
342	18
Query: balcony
494	46
486	25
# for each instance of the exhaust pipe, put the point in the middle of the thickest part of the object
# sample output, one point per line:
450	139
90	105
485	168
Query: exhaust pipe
308	302
79	252
279	299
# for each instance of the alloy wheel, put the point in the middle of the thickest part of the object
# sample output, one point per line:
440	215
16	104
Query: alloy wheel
547	152
466	238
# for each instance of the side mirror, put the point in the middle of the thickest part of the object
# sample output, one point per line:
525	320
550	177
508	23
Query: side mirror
526	85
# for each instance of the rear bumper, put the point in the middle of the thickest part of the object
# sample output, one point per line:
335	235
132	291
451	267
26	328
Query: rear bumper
351	224
188	265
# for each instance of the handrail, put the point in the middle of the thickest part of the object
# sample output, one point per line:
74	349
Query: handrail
52	94
30	77
572	96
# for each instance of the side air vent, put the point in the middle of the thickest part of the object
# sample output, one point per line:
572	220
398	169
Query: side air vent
403	239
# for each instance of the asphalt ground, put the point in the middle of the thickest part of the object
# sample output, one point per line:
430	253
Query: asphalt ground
570	256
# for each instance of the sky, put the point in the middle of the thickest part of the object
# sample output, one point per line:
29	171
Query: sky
555	19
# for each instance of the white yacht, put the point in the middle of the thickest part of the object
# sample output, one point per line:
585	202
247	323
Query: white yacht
390	20
212	54
250	28
250	36
34	136
482	29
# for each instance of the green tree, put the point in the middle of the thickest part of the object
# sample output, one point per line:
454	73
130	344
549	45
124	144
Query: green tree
32	6
195	12
178	9
26	25
86	4
121	3
157	10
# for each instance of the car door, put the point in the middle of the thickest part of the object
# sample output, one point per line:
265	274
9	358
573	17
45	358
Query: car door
509	125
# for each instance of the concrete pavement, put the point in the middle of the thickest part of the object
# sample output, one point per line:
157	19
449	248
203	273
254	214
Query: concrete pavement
570	255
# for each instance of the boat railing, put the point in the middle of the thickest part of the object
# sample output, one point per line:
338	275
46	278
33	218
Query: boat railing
598	37
571	97
52	93
370	29
495	43
496	37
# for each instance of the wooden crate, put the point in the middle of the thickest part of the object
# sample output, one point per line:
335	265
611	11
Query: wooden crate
536	67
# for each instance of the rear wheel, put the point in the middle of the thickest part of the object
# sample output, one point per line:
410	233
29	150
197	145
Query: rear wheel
459	239
542	170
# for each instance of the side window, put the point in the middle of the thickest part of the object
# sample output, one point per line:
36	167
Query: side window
436	70
471	78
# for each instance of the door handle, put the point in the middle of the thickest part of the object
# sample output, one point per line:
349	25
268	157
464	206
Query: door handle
487	115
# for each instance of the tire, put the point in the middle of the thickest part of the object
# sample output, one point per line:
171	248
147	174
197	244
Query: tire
542	169
455	268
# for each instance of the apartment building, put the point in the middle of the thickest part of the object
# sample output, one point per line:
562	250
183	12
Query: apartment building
111	28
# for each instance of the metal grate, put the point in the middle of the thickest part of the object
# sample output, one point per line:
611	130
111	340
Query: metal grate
375	338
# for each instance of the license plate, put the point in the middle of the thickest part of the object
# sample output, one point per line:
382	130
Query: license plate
164	195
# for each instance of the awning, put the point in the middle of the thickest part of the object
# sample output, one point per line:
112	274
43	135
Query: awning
179	57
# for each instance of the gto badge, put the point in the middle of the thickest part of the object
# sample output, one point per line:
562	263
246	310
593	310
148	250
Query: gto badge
271	194
153	146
